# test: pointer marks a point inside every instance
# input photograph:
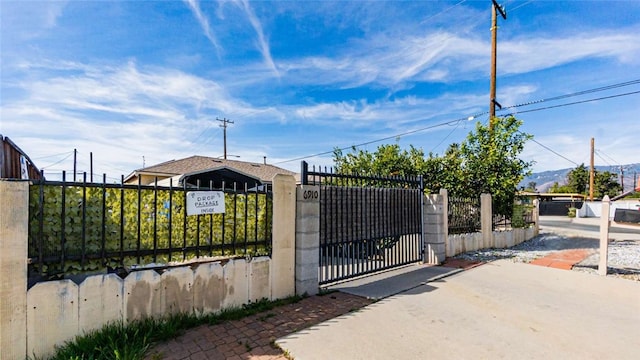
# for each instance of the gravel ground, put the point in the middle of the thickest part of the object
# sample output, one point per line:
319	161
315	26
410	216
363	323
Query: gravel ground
623	261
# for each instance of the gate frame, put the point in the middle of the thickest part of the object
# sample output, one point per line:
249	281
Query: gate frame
311	234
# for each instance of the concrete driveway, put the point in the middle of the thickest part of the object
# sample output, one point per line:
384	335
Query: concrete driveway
500	310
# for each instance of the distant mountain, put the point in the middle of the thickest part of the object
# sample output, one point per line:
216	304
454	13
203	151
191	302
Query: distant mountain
545	179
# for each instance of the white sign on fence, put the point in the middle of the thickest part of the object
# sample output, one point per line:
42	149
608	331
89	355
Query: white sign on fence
205	202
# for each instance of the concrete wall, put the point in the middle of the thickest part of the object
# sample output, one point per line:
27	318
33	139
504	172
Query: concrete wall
487	238
594	209
33	321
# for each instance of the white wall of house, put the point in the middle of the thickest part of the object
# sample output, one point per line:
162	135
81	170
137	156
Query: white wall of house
594	209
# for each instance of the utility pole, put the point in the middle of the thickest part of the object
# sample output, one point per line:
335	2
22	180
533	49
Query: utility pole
494	43
75	163
592	171
225	121
91	166
622	177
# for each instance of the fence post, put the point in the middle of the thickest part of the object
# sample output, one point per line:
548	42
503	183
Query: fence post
604	236
435	229
307	239
536	217
14	230
283	253
486	220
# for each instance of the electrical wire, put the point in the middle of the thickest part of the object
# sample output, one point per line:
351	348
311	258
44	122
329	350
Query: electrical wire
57	162
54	155
610	158
452	122
553	151
446	137
486	112
573	103
578	93
441	12
519	6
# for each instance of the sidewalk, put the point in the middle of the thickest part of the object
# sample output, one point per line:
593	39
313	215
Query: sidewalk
254	337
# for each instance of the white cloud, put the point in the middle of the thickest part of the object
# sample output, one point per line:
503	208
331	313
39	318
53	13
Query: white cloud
117	111
262	43
29	19
532	54
194	5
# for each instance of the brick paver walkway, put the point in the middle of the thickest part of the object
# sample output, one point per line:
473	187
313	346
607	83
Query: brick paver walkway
253	337
563	259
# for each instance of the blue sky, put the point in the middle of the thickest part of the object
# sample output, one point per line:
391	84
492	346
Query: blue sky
127	80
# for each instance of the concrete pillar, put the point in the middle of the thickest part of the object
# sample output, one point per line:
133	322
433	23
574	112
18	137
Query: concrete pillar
604	236
486	220
14	229
435	230
307	239
283	253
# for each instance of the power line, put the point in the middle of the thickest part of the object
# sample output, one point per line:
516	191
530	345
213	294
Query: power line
610	158
54	155
441	12
519	6
574	103
553	151
477	115
446	137
57	162
382	139
578	93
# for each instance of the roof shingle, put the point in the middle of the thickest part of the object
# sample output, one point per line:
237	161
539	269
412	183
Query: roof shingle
265	172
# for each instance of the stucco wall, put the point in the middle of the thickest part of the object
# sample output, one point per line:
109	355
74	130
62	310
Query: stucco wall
69	309
594	209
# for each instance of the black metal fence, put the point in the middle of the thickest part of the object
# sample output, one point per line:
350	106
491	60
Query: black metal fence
522	216
81	227
464	215
367	223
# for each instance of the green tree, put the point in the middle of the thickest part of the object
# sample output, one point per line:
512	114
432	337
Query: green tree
387	160
444	172
486	162
606	183
531	186
492	164
560	189
577	179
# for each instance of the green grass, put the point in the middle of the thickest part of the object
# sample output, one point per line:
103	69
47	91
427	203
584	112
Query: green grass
118	341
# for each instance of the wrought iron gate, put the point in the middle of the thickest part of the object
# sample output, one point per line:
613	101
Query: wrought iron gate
367	223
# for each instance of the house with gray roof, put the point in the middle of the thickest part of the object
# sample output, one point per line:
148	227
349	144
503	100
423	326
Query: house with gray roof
203	170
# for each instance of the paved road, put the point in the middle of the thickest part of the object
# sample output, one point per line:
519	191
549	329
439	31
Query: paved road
501	310
588	227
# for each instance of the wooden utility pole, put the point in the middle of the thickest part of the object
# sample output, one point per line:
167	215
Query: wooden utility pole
225	121
494	41
592	171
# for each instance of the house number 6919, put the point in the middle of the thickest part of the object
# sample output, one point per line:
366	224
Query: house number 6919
310	194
